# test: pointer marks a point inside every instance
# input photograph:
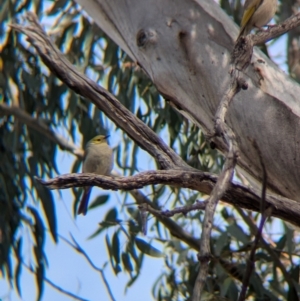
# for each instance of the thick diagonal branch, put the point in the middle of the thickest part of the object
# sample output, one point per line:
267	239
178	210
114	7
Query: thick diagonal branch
104	100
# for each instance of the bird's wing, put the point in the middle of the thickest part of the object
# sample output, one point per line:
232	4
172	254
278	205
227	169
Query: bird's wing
249	8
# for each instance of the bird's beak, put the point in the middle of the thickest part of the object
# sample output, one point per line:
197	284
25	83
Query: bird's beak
106	136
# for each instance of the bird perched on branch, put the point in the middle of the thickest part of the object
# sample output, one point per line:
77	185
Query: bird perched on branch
257	13
98	159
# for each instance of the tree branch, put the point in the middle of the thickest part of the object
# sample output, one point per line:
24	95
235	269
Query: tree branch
258	235
179	210
243	48
223	130
276	31
236	194
251	260
41	127
174	229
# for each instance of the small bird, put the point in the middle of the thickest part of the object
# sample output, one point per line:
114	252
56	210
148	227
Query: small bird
257	13
98	159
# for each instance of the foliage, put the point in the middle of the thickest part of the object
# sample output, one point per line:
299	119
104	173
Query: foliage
27	151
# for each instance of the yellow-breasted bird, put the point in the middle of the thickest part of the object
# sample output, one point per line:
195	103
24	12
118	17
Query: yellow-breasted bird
98	159
257	13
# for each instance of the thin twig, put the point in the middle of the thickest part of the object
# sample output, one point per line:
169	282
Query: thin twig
205	254
174	229
222	185
80	250
254	229
55	286
258	235
182	210
251	259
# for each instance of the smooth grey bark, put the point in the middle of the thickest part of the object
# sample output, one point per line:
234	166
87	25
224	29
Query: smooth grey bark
185	46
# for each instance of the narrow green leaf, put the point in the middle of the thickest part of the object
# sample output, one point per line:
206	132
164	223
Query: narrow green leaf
8	265
49	208
146	248
281	242
116	247
76	165
232	293
130	248
131	281
136	215
256	283
238	233
32	165
221	243
127	262
108	245
116	268
57	7
134	228
225	214
225	285
292	292
263	257
99	201
39	229
111	216
39	273
19	265
96	233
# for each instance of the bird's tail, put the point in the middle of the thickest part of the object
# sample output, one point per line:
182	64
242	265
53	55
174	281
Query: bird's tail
82	209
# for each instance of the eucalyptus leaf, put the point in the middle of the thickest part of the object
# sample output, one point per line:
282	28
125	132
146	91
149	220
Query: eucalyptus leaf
146	248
